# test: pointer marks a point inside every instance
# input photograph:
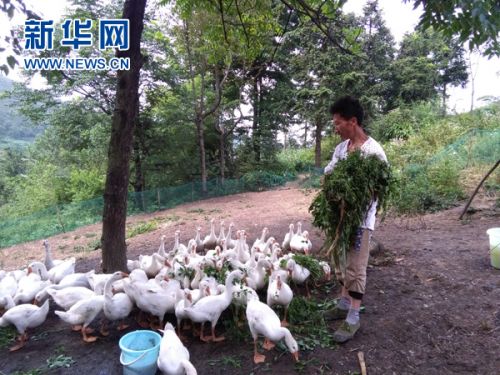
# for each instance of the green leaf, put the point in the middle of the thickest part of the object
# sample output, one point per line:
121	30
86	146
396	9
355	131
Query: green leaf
11	60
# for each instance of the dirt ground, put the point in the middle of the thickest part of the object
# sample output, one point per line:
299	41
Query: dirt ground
432	302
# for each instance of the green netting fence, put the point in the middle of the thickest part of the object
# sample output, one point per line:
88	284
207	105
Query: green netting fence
435	183
476	147
64	218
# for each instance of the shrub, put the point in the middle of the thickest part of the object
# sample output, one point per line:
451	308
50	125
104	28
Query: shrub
259	180
427	188
85	184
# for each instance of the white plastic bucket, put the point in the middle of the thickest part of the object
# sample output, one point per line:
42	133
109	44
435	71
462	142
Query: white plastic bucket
494	234
140	351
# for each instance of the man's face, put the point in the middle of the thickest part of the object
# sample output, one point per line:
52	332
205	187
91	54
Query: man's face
342	126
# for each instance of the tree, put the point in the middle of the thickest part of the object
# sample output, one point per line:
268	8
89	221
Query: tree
12	41
426	65
475	22
114	249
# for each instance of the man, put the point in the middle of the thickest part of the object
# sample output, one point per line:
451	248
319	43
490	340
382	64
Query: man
348	121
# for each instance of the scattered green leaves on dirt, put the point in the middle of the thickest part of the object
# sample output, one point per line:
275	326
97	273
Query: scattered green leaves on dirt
7	336
59	361
141	227
226	361
307	323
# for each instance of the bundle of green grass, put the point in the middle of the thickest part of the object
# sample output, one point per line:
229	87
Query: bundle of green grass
344	199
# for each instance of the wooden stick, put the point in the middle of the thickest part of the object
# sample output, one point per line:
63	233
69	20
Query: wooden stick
477	188
362	364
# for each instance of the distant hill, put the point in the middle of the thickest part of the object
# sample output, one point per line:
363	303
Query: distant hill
15	129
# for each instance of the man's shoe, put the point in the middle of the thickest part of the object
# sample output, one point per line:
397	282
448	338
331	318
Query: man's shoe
335	313
345	332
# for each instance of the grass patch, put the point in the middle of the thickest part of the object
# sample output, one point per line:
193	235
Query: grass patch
78	249
35	371
7	336
226	360
307	323
90	235
59	361
141	227
195	211
94	244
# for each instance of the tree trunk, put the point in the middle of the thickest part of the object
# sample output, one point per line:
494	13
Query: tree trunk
306	128
201	144
317	148
472	87
219	126
444	100
114	250
256	119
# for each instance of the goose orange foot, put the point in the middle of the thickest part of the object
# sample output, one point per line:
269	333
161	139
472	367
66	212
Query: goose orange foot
122	326
88	338
22	341
268	344
104	332
205	338
218	339
259	358
76	327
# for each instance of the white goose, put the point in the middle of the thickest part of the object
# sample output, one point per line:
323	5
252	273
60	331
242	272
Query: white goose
67	297
262	320
23	317
260	242
229	241
83	313
210	308
29	286
151	264
299	274
257	276
57	270
161	249
279	293
97	281
49	262
116	306
157	299
174	357
8	285
300	243
210	241
222	235
180	309
198	240
286	241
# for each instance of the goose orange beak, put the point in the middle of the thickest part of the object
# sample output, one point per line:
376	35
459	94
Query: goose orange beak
295	356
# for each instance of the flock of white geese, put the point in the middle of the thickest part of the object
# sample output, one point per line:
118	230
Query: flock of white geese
172	281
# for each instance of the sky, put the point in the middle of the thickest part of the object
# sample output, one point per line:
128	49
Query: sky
400	18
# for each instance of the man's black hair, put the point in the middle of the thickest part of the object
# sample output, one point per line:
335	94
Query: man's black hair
348	107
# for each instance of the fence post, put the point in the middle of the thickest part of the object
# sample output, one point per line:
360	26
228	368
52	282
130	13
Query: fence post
58	214
158	198
192	191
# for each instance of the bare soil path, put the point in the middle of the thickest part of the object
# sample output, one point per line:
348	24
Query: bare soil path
432	303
